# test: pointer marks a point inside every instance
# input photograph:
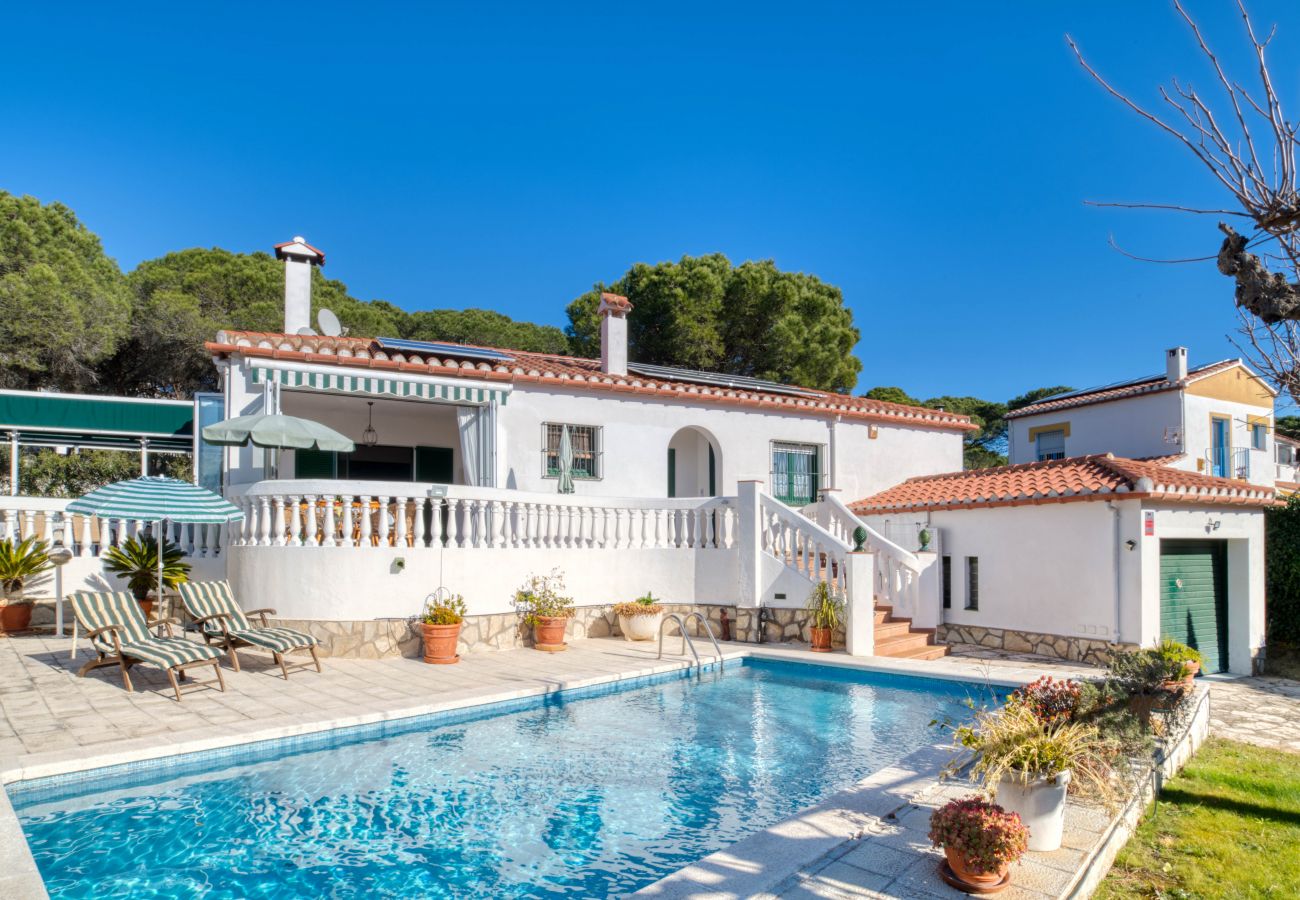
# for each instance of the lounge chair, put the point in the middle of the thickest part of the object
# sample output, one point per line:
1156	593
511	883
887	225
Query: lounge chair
119	635
213	606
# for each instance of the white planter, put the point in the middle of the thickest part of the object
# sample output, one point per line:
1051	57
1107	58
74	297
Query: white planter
1041	805
640	628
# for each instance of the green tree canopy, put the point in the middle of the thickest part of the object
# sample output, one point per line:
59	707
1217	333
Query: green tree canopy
483	327
64	305
1288	425
752	319
984	448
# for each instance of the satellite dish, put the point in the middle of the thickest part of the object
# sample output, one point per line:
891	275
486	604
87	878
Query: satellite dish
307	332
329	323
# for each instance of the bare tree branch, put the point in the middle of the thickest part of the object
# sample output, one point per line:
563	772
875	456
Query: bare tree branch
1170	206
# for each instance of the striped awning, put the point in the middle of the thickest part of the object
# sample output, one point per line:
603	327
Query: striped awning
348	383
153	499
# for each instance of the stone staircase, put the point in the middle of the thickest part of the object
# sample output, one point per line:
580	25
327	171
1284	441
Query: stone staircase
897	638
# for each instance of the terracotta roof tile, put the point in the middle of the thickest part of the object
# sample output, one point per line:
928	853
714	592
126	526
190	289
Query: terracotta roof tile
1152	385
569	372
615	301
1099	477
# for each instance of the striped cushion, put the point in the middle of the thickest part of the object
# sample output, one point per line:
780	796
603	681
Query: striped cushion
278	640
99	610
209	598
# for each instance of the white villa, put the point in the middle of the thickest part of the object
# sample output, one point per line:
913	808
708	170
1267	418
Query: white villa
719	494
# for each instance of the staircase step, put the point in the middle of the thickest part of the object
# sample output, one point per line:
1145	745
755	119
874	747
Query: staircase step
887	630
930	651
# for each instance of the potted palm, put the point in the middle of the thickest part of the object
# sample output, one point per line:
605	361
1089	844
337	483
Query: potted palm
826	608
136	560
1188	660
19	563
1028	764
545	609
440	625
640	619
980	841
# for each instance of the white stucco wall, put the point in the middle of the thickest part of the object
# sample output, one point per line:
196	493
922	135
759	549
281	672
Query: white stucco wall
1199	411
1131	427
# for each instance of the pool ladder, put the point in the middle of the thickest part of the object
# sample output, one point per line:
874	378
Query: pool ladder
686	638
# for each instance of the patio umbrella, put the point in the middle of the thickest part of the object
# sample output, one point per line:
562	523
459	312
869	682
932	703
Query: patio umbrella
276	432
160	500
566	461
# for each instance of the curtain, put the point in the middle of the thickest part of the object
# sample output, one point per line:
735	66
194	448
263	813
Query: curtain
477	427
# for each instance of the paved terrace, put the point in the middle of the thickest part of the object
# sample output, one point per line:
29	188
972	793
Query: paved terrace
54	722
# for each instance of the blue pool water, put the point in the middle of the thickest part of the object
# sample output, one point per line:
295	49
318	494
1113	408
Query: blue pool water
592	793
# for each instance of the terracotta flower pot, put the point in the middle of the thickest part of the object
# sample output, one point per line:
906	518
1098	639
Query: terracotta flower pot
821	639
15	617
548	633
440	643
957	862
146	607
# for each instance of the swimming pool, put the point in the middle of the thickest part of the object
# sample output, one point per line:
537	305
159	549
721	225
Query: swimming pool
594	792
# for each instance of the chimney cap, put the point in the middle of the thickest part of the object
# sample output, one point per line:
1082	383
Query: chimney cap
298	248
615	304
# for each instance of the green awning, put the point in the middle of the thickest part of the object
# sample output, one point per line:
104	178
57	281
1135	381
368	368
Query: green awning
49	419
347	383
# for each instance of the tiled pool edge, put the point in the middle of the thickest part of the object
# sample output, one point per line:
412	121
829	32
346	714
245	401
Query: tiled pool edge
24	879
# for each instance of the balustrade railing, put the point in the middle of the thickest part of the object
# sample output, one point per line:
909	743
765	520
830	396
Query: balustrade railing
398	514
897	570
802	544
90	536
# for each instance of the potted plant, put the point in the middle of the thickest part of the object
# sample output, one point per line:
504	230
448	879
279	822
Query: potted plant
136	560
545	609
19	563
1029	764
980	841
440	625
640	619
1151	680
1188	658
826	608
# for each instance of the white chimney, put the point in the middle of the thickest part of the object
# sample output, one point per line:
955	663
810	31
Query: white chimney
299	256
1176	364
613	312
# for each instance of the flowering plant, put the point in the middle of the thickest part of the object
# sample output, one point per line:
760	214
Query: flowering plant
987	837
641	606
540	597
445	610
1050	701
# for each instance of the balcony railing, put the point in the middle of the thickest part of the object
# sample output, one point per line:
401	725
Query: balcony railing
1228	462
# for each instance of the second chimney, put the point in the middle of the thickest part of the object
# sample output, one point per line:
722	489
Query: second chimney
299	256
613	312
1176	364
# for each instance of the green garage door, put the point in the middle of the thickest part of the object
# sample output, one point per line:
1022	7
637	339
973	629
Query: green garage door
1194	598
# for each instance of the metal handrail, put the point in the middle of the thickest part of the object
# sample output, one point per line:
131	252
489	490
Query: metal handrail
686	641
708	630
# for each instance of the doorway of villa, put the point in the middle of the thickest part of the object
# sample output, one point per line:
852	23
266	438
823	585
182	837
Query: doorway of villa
693	464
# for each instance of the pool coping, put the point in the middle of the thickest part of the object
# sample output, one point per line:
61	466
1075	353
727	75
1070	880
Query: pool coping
23	879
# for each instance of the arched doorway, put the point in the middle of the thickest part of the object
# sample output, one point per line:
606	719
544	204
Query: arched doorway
694	464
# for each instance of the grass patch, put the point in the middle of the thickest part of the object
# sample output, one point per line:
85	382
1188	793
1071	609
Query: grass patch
1228	826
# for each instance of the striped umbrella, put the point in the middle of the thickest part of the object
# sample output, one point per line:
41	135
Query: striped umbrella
157	499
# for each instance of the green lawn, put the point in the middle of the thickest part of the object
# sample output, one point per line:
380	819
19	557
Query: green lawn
1228	826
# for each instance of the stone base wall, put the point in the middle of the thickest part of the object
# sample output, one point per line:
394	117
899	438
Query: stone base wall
380	638
1075	649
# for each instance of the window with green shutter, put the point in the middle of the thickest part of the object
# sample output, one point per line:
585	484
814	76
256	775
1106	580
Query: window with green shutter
796	472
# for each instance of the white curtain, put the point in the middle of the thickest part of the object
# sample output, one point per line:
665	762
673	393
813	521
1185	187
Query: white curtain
478	427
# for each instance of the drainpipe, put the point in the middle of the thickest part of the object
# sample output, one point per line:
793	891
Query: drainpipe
13	464
1115	553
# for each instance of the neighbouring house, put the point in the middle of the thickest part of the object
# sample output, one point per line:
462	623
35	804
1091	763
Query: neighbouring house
1217	418
1068	556
1288	464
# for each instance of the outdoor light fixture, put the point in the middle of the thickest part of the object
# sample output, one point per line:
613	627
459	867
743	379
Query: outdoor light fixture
370	437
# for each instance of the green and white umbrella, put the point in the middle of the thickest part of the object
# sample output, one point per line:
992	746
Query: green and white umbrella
157	499
566	461
277	432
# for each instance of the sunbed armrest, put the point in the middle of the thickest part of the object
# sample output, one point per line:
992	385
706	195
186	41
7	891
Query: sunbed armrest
169	622
219	618
261	612
111	631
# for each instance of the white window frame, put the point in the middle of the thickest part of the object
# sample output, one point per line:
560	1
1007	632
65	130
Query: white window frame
1038	445
597	439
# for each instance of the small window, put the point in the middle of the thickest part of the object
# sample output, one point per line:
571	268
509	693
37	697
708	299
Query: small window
1051	445
947	582
972	582
1259	436
585	442
796	472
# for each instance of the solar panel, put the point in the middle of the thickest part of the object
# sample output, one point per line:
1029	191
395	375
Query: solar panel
434	348
716	379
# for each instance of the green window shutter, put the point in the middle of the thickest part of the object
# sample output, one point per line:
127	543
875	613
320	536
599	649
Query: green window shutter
315	464
672	472
713	473
434	465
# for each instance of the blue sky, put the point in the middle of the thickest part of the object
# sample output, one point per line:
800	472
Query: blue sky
931	160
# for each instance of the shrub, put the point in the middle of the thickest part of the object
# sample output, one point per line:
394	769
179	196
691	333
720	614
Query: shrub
984	834
1049	700
1282	558
444	610
20	562
540	597
136	560
1143	672
1173	652
641	606
826	606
